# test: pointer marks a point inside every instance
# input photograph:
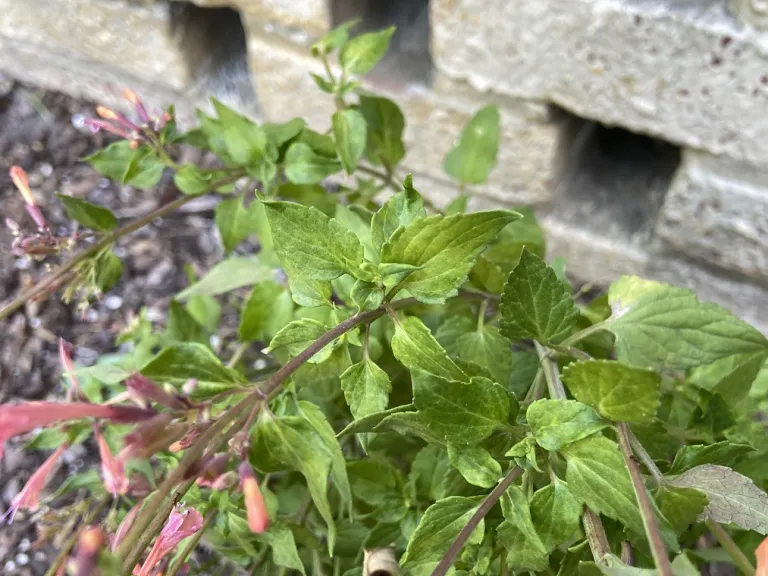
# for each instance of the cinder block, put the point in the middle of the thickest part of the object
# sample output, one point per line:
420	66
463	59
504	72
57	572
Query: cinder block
133	39
434	120
684	70
717	210
302	20
751	12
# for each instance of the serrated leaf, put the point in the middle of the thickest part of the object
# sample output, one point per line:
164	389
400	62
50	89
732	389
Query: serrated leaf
316	246
379	484
336	38
401	209
385	130
304	166
291	443
722	453
366	388
369	422
626	290
349	133
280	539
487	347
187	361
518	535
556	514
182	327
535	304
415	347
361	54
366	295
523	233
355	223
113	160
438	527
524	453
445	248
309	195
89	215
617	391
557	423
473	158
245	141
144	169
323	429
109	269
268	309
298	335
681	505
410	424
475	464
733	498
731	378
191	180
458	411
230	274
235	221
667	327
597	475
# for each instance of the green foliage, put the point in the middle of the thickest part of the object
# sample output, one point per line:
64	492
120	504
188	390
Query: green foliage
463	373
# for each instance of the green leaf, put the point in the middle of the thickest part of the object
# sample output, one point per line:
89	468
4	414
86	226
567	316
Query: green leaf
556	514
402	209
557	423
291	443
460	412
304	166
309	195
268	309
323	429
473	158
385	131
596	474
349	133
723	453
182	327
355	223
524	453
144	170
311	243
523	233
369	422
87	214
366	295
279	134
438	528
336	38
361	54
535	303
109	269
245	141
280	539
230	274
475	464
617	391
186	361
414	346
299	335
487	347
411	424
733	498
517	534
626	290
191	180
681	505
113	160
235	222
458	205
366	388
667	327
445	248
731	378
379	484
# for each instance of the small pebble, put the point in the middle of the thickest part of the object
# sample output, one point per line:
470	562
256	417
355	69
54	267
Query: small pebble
260	364
9	567
24	545
21	264
113	302
40	556
91	315
46	169
22	559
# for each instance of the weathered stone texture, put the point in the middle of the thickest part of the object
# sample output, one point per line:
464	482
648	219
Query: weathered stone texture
683	70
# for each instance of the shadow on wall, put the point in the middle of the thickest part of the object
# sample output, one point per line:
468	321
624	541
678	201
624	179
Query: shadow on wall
610	179
408	62
214	43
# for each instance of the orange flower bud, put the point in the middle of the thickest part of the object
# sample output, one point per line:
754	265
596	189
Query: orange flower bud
21	181
107	113
258	517
762	559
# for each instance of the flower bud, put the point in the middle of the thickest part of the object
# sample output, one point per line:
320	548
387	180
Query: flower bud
258	517
89	545
149	390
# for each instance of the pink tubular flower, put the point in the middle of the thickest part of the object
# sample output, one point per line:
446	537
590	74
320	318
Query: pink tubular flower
180	525
192	433
112	469
761	554
16	419
209	469
126	524
65	357
145	389
258	517
21	181
134	99
89	546
29	497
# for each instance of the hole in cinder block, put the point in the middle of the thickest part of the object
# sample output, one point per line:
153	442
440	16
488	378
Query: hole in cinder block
408	61
611	181
214	44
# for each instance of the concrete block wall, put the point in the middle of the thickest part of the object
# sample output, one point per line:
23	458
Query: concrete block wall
637	128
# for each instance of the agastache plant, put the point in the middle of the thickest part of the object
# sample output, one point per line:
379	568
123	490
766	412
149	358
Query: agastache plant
402	378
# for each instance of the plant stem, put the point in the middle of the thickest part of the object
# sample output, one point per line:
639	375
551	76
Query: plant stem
381	176
191	545
627	556
645	458
580	335
655	540
70	544
54	277
485	506
238	354
481	315
598	541
739	558
554	385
